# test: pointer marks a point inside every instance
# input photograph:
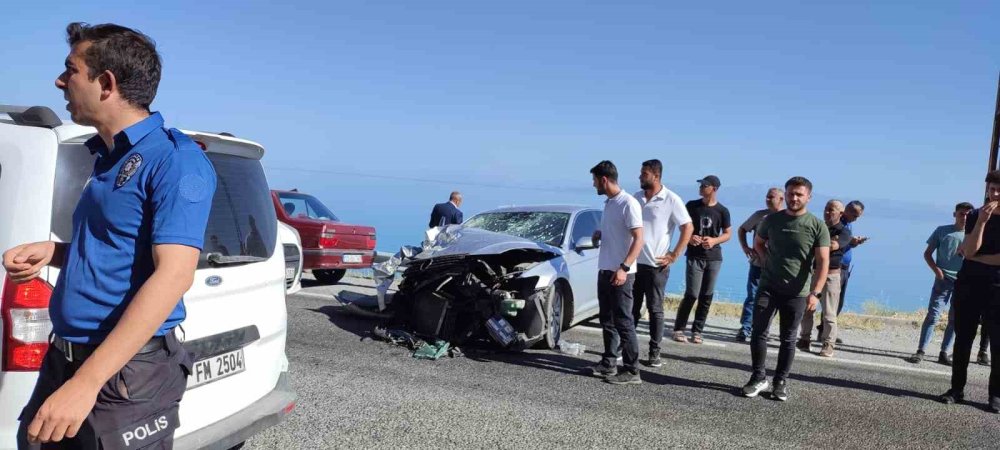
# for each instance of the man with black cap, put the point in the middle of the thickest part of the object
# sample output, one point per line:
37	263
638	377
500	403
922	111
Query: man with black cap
704	257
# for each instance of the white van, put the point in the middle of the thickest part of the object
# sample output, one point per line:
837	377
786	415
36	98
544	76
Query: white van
236	318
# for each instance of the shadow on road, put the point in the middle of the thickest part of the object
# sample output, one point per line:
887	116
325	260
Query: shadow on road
555	362
347	319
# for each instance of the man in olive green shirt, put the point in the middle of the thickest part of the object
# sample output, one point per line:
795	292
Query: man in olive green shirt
791	243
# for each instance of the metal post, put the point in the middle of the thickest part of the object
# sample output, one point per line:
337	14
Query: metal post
996	132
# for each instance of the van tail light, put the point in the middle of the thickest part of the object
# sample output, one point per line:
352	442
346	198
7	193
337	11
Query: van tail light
327	238
26	324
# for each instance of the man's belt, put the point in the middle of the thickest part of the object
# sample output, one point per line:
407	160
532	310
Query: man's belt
80	352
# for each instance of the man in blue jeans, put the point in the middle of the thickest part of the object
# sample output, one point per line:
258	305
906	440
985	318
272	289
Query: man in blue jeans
775	201
944	244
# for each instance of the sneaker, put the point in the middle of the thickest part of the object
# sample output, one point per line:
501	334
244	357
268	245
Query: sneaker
780	391
949	398
917	357
827	350
680	337
994	406
741	338
839	341
983	359
654	359
624	377
944	358
803	344
618	360
696	338
600	370
754	387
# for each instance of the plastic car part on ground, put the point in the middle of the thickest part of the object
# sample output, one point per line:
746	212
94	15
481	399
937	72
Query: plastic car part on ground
461	284
421	349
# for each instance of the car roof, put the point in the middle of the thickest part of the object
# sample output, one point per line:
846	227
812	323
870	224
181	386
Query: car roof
570	209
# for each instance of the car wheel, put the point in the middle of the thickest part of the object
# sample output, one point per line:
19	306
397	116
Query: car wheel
555	310
329	276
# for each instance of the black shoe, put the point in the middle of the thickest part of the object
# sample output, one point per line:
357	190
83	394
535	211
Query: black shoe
600	370
950	398
625	377
984	359
944	358
916	358
741	338
840	341
780	390
654	359
754	387
803	344
994	406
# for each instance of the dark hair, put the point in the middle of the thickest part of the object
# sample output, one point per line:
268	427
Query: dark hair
605	169
655	166
964	206
856	204
993	177
799	181
127	53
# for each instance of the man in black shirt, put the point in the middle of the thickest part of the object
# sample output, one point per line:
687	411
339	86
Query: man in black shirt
704	257
840	238
977	294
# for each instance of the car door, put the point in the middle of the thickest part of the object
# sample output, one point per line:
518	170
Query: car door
583	265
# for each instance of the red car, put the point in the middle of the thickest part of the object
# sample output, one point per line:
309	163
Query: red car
329	246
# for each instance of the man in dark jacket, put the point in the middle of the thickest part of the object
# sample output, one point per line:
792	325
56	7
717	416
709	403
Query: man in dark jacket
447	213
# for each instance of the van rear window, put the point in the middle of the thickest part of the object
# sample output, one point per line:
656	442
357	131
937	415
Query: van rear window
242	221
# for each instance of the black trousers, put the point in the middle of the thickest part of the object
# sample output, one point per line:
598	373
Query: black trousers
650	284
976	300
615	313
136	408
790	310
700	285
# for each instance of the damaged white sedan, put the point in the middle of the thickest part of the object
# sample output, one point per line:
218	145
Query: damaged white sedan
518	275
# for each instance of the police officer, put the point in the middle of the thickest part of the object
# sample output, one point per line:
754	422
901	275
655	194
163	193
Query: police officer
114	364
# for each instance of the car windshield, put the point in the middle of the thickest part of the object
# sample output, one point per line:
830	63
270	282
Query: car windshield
305	205
545	227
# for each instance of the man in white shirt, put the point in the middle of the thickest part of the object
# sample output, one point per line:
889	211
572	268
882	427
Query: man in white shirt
662	210
621	233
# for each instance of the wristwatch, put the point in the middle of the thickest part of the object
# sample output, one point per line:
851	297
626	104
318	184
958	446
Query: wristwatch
625	267
816	294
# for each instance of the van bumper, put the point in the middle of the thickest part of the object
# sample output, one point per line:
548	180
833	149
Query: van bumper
237	428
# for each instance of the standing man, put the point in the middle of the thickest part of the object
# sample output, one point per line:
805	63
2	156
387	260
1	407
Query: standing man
791	243
944	242
840	238
447	213
621	233
977	293
139	227
662	210
704	257
774	202
852	212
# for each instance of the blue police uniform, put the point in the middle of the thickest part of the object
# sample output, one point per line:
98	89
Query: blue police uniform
155	186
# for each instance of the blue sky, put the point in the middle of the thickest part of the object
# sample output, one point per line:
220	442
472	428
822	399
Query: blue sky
513	102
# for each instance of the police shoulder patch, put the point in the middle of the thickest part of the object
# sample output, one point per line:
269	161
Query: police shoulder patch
128	169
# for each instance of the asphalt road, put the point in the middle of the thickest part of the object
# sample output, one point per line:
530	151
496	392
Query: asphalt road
356	392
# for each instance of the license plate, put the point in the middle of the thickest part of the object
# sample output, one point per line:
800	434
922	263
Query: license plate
289	273
352	259
217	367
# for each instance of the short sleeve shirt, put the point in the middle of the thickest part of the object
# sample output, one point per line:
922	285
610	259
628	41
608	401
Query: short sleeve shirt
154	187
750	226
622	214
989	246
709	221
660	216
791	244
946	240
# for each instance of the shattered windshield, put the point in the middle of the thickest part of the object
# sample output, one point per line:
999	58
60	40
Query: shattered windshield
544	227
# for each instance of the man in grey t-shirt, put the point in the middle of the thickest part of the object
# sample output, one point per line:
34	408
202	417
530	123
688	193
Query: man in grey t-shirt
621	235
774	202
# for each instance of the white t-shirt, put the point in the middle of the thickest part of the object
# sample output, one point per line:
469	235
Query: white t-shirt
622	214
660	215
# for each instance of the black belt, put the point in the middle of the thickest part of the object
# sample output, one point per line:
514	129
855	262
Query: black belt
80	352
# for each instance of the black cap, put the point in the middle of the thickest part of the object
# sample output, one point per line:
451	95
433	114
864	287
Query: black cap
711	180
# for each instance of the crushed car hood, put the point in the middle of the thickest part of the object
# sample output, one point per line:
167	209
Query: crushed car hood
457	240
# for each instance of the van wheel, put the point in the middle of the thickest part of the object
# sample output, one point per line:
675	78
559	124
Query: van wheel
329	276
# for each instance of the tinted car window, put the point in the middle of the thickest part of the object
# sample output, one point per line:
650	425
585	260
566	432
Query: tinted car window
584	226
242	221
305	205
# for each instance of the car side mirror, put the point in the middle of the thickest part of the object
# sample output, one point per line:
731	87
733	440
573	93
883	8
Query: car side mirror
584	243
